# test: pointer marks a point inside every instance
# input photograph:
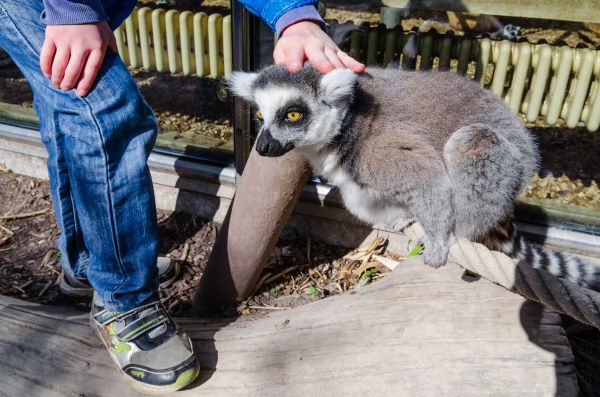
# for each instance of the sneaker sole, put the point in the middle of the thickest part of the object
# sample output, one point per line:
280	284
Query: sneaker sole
185	379
75	292
176	275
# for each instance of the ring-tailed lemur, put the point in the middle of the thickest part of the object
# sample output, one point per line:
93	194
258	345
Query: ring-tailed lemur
401	146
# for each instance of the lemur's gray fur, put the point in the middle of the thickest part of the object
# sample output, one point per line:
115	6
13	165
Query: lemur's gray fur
402	146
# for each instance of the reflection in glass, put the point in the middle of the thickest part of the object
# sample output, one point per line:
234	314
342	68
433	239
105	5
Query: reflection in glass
16	99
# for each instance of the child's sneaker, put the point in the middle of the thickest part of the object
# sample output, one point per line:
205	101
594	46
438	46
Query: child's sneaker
150	352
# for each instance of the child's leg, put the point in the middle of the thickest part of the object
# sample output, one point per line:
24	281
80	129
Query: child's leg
98	147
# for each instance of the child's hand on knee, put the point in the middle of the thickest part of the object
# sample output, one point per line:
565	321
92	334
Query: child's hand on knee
73	54
306	40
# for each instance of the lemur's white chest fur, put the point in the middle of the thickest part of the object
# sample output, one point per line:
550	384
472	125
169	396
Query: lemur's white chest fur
366	204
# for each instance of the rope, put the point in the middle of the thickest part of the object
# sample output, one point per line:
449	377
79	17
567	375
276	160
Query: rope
560	295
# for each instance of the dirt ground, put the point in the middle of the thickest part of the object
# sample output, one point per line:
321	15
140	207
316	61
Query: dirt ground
298	272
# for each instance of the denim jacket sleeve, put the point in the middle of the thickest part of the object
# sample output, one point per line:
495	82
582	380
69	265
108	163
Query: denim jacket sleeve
279	14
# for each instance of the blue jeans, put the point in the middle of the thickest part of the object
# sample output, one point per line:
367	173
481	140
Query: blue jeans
98	147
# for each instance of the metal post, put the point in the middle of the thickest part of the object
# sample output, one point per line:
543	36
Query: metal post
245	27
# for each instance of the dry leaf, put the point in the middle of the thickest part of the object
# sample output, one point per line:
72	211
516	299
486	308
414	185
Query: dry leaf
387	262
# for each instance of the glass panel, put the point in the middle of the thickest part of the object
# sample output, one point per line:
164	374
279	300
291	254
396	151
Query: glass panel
16	99
567	185
178	53
189	111
446	36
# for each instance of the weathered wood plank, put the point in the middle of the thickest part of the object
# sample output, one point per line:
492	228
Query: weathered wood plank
575	10
418	332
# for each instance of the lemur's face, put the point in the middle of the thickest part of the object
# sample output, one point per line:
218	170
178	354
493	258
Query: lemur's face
303	109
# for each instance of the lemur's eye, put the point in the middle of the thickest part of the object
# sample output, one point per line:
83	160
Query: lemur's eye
259	114
294	115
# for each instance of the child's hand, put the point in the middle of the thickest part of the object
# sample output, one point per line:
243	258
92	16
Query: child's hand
306	40
73	54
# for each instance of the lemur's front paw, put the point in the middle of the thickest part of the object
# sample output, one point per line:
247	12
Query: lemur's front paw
434	260
435	255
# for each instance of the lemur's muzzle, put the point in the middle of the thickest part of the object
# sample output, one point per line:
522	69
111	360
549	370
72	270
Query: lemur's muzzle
268	146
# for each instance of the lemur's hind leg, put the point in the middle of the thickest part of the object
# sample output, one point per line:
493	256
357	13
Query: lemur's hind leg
486	173
427	195
412	176
434	213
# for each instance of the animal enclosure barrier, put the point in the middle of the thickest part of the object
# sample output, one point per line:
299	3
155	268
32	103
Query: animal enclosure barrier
537	80
178	42
534	79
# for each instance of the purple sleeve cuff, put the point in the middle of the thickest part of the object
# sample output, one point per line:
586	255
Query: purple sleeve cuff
73	12
303	13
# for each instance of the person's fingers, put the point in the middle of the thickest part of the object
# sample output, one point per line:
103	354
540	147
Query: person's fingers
279	56
73	70
59	64
46	56
294	58
350	62
333	58
90	71
318	59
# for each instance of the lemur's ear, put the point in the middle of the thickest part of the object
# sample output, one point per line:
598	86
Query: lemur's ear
337	85
241	84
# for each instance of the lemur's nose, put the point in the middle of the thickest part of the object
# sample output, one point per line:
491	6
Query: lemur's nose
268	146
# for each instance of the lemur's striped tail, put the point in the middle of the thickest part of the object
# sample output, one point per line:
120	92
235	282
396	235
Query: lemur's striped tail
505	238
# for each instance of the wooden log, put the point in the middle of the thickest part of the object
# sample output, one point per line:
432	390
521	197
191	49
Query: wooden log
419	331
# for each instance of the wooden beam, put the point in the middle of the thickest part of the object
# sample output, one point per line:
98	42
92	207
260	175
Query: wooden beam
419	331
575	10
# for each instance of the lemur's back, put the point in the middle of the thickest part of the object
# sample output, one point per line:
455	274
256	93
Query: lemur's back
439	103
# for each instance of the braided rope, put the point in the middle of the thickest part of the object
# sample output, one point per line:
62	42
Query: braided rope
558	294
